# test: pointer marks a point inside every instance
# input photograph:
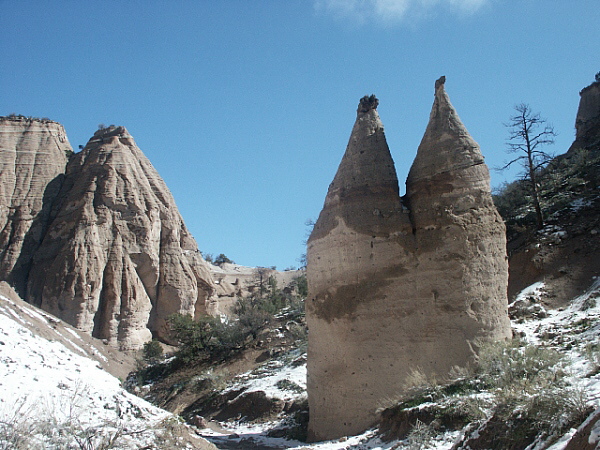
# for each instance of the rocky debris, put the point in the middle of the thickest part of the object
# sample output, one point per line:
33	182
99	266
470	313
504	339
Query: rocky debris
587	436
99	244
398	285
33	156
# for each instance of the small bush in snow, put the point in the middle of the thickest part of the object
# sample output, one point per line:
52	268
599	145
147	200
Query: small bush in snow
420	436
520	368
288	385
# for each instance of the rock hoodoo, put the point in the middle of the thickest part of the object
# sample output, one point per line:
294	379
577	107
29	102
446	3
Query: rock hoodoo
111	255
400	284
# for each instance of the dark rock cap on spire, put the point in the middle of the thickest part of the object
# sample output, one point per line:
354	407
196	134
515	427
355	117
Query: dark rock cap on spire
366	176
367	103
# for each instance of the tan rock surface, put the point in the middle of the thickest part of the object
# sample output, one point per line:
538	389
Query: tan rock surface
233	281
393	292
33	156
117	259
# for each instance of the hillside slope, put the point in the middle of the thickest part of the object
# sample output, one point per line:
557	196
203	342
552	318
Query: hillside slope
55	393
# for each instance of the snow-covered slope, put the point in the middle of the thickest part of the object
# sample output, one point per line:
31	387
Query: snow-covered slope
54	397
573	330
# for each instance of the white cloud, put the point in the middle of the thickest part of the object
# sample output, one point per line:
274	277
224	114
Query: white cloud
394	10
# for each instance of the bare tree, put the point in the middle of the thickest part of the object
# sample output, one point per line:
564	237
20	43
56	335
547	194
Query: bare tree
528	133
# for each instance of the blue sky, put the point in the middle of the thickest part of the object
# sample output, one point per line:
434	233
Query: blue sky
245	107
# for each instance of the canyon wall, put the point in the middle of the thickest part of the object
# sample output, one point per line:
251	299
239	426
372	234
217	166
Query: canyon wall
587	122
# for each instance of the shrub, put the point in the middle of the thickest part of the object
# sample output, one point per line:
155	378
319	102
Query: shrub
420	435
222	259
302	286
152	350
288	385
193	336
512	366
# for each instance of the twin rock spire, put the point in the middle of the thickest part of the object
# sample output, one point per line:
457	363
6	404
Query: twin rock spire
400	284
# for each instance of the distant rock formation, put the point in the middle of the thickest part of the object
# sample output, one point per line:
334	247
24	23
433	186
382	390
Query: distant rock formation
33	156
233	282
587	122
400	285
111	254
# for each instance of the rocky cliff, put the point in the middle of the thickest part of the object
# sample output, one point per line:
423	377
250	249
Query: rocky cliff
587	122
113	256
33	155
400	285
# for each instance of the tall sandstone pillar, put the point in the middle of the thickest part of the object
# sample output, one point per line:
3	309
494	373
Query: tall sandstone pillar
398	285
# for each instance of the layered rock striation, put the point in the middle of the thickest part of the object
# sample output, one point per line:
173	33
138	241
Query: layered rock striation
113	257
33	156
398	285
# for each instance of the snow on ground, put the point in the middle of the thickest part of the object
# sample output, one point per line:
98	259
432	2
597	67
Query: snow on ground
44	382
57	397
277	379
570	329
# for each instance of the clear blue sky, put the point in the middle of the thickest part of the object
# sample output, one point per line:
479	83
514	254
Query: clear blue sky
245	107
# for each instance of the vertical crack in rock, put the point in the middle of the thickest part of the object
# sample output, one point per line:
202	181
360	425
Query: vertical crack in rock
400	284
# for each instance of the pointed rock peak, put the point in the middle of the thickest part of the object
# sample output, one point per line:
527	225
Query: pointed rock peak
443	118
446	145
111	130
439	84
366	176
367	103
367	161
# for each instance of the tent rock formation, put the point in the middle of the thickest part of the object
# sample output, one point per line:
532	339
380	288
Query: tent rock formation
99	244
400	284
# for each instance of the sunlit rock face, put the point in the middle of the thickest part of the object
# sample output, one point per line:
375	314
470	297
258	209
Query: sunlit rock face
33	156
117	259
400	284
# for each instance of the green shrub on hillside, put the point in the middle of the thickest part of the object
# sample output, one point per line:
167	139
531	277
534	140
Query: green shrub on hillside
152	350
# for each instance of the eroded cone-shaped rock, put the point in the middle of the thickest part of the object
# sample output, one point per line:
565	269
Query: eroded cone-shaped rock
461	237
33	156
361	243
392	293
117	259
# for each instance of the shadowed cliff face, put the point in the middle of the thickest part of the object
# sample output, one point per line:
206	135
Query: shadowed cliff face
394	286
587	122
112	255
33	156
